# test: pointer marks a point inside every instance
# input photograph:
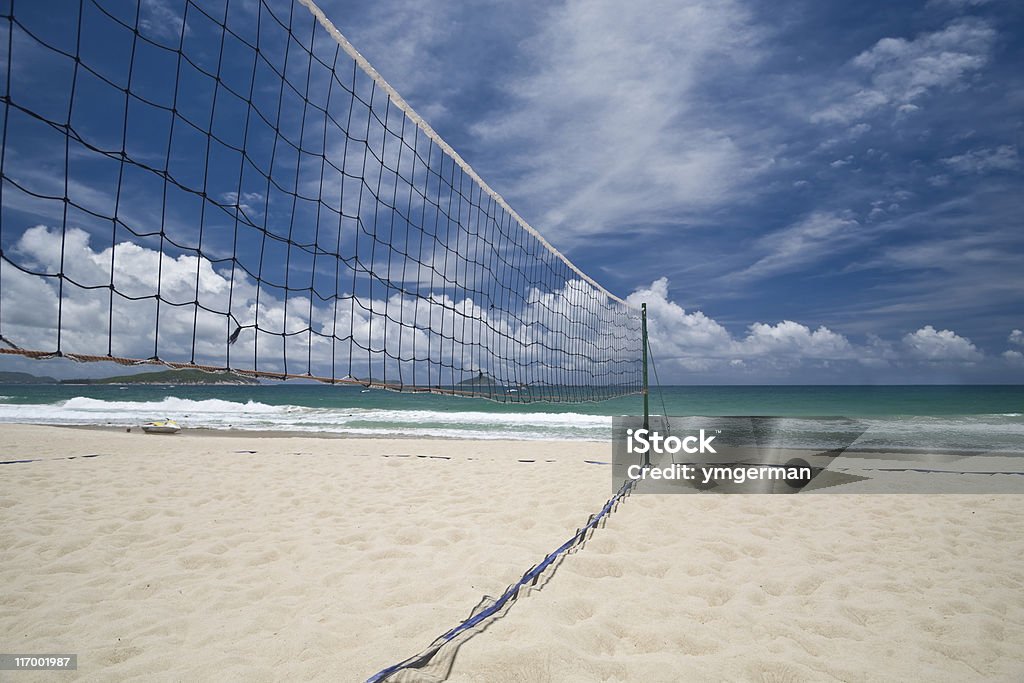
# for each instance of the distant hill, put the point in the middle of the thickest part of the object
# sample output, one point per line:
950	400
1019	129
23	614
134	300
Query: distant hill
170	377
480	380
24	378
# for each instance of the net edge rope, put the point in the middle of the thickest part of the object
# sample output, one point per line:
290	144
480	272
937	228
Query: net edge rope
267	374
511	594
400	102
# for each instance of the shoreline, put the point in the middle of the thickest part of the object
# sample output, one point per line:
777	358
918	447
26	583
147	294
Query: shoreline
194	432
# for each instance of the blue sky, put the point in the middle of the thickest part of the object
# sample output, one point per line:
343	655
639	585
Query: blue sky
848	165
801	192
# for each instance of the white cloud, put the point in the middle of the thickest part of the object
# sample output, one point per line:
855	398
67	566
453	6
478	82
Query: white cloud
435	326
794	339
1014	357
804	242
160	20
690	341
898	73
250	202
940	345
606	121
1016	337
406	42
958	3
563	335
1002	158
697	342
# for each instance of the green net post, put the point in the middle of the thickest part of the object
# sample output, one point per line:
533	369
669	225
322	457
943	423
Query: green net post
646	387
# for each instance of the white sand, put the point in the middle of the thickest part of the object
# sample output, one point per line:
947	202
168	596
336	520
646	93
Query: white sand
177	558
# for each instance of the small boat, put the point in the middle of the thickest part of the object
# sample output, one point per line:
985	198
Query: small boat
161	427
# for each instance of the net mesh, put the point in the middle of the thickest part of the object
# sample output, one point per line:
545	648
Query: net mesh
229	185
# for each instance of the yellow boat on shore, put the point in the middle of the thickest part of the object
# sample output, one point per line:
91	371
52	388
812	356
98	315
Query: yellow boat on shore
161	427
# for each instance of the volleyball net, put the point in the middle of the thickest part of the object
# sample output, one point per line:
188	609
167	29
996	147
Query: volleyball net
229	185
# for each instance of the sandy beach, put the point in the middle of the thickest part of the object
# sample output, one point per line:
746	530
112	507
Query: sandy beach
259	558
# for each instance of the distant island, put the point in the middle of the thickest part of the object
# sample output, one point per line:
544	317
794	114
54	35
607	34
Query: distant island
181	377
480	380
24	378
184	377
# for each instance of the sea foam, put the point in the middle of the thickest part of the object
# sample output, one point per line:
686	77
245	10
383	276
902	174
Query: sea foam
254	415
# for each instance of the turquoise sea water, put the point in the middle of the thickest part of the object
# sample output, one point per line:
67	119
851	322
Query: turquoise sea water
974	418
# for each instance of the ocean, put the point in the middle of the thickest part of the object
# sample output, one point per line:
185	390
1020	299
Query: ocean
956	418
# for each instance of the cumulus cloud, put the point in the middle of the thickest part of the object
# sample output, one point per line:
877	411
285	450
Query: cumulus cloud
565	334
203	303
411	338
694	341
1012	356
691	341
93	320
897	73
794	339
940	345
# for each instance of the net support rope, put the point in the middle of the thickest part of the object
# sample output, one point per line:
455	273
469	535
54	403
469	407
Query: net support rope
230	186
